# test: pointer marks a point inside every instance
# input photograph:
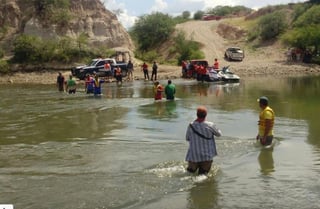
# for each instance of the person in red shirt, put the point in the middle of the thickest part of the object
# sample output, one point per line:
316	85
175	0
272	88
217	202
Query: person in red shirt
118	74
216	64
158	89
145	71
107	68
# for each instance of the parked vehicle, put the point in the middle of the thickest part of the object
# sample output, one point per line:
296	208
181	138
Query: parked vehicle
234	53
210	17
97	66
227	76
193	65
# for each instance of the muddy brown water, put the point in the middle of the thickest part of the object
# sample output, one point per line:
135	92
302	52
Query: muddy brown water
123	150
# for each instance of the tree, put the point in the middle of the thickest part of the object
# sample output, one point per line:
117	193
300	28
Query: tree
152	30
311	16
26	49
186	49
198	15
186	14
272	25
304	37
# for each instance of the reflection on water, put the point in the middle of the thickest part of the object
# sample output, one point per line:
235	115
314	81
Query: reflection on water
124	150
266	161
203	195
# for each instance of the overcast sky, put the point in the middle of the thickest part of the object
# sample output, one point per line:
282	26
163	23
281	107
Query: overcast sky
131	9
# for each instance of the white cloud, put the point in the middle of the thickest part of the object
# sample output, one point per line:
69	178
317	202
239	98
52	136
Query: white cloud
159	6
121	11
176	7
127	20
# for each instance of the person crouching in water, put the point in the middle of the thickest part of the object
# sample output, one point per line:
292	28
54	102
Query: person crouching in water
158	89
71	85
202	147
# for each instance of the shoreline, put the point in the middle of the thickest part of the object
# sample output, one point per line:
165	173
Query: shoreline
165	72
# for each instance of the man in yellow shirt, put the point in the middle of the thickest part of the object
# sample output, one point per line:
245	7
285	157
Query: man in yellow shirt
266	122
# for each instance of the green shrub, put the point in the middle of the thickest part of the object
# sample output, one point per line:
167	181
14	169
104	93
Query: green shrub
272	25
4	66
1	53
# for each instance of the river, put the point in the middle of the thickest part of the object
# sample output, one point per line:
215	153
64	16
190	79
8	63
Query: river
123	150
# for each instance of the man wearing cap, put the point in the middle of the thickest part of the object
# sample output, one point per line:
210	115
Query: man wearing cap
202	147
266	122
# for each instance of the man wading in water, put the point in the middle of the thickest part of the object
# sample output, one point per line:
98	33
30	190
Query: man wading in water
202	147
266	122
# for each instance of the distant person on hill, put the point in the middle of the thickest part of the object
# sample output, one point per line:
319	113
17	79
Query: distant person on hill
170	90
60	82
266	122
202	147
71	86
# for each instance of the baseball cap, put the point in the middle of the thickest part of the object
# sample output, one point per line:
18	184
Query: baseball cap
263	100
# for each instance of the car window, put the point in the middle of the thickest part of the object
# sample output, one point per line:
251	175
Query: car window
100	63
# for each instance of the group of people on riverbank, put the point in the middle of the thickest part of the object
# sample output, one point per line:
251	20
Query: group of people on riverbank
198	68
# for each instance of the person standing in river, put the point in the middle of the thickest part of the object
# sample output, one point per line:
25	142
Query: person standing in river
158	89
154	71
202	147
170	90
71	85
266	122
130	70
60	82
145	71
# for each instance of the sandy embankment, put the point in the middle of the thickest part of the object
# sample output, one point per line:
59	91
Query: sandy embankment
265	61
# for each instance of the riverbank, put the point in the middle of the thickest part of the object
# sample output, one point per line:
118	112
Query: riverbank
243	69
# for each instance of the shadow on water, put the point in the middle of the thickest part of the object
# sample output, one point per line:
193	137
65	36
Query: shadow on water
162	110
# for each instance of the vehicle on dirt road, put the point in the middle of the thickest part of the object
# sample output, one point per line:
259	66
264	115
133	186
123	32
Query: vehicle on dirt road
234	53
97	66
210	17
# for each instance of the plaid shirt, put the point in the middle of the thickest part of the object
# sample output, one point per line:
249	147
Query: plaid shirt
201	149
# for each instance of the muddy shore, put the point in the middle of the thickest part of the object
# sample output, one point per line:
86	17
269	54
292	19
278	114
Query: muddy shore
173	72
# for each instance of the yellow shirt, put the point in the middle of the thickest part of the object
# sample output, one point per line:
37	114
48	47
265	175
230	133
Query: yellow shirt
266	114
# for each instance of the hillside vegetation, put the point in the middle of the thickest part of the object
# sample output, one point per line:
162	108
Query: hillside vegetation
294	26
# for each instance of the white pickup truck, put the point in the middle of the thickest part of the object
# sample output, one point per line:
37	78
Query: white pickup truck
234	53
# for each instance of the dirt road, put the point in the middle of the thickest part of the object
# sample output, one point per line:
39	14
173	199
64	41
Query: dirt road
205	33
268	60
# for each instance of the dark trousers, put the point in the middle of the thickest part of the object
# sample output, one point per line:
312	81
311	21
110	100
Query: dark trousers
146	74
204	167
154	73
